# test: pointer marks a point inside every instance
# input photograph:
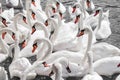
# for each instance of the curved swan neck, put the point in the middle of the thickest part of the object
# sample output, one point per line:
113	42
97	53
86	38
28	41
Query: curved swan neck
90	37
16	20
4	46
99	22
41	25
49	51
17	49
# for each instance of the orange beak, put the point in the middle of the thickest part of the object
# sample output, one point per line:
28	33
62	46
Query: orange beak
81	33
3	35
33	16
33	2
74	8
34	48
60	15
96	13
24	44
77	19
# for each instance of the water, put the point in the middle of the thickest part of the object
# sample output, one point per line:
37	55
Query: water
114	39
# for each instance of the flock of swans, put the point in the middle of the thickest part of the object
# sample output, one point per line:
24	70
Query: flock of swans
62	49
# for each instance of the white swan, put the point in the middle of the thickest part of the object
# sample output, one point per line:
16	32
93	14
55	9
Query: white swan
69	30
6	16
4	52
3	74
107	66
18	65
73	57
89	5
40	32
18	4
36	4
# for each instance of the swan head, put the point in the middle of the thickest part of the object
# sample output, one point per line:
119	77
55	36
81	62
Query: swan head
21	17
4	31
97	11
84	31
33	3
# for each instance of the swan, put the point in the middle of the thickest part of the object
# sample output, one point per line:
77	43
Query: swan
92	75
6	16
50	10
107	66
18	64
17	4
101	21
36	4
4	52
73	57
89	5
3	74
41	32
70	29
23	31
103	26
59	5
